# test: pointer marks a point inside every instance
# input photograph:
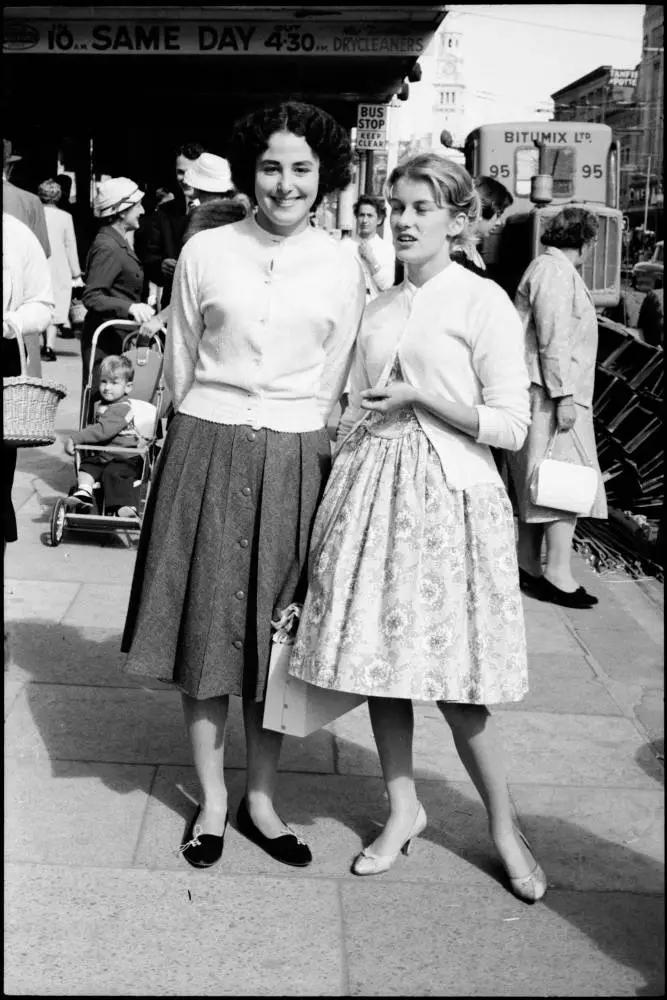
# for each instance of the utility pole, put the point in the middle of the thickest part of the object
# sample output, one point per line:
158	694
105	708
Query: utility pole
647	192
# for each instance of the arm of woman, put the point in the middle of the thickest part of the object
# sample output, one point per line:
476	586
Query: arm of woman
186	327
70	248
497	346
359	382
550	293
34	312
104	267
340	342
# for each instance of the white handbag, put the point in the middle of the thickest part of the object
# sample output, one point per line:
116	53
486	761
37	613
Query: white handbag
293	706
564	485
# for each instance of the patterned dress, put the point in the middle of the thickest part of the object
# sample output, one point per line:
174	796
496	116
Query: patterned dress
413	587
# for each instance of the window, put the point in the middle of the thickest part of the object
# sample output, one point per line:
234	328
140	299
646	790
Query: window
526	162
559	162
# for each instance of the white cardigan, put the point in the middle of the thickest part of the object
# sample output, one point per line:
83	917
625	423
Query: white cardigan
262	327
460	337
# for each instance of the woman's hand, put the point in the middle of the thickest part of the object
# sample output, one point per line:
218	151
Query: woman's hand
392	397
141	312
152	326
69	446
566	413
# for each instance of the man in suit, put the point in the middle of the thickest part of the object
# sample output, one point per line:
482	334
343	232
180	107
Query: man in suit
158	242
22	204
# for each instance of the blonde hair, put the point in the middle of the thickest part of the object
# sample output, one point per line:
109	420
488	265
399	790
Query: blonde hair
452	188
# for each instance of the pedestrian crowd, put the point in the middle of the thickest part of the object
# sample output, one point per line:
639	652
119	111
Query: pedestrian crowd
392	548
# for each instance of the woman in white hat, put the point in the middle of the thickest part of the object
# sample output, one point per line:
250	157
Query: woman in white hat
114	274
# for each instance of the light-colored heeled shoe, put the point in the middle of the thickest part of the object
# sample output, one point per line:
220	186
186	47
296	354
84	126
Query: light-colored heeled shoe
529	888
367	863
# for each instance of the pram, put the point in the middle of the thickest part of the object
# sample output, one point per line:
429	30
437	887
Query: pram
149	401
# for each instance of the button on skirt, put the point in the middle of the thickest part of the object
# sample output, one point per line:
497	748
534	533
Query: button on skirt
223	548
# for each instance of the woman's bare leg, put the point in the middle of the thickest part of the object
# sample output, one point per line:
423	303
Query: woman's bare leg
392	720
558	565
206	723
529	547
478	746
262	756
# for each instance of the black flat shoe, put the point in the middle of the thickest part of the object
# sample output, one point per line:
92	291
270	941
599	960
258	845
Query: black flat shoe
287	848
48	354
201	850
579	598
528	583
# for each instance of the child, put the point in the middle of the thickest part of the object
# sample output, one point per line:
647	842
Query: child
114	425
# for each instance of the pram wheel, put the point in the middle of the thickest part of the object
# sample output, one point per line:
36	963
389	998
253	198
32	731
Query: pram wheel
58	522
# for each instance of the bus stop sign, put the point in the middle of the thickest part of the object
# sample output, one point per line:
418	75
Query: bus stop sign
372	126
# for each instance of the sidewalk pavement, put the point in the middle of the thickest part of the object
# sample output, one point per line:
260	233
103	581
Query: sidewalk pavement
99	790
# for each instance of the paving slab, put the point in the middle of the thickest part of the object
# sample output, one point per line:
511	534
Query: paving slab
73	560
631	603
625	654
74	812
562	684
38	600
12	690
133	726
55	653
421	940
584	844
538	747
546	630
577	750
99	602
95	932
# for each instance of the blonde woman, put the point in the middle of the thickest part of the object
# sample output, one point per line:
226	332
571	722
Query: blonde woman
413	581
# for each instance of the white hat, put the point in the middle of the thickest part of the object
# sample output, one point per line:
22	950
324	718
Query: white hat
116	195
209	173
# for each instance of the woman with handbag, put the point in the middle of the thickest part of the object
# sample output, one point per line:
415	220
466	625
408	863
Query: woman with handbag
561	334
413	582
264	314
114	275
27	309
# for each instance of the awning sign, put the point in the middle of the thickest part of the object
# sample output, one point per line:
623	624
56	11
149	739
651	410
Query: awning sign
205	37
372	126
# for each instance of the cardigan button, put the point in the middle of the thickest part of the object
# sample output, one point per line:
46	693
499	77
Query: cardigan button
239	595
244	543
246	491
237	644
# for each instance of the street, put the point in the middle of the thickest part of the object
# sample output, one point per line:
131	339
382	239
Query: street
100	788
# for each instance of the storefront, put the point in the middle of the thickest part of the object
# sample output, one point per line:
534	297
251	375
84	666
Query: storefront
112	90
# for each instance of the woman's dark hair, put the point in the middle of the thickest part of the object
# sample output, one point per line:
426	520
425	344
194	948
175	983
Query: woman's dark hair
190	150
327	139
494	197
570	229
377	203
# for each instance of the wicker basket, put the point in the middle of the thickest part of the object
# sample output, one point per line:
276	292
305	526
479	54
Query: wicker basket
29	407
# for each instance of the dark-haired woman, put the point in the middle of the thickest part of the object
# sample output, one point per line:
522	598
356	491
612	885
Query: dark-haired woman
264	317
561	332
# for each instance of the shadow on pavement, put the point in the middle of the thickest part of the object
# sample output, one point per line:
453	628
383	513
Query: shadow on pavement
640	946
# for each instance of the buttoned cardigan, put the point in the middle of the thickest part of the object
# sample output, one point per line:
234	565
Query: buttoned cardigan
262	327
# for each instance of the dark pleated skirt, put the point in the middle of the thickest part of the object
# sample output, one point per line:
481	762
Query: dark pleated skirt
223	548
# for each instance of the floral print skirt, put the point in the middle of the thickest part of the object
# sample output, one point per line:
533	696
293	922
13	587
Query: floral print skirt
413	587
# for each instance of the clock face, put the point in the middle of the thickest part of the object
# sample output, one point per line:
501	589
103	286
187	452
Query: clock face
449	65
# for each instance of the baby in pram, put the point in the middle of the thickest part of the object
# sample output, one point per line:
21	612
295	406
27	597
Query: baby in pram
114	425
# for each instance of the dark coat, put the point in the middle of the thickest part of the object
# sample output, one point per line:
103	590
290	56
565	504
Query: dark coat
160	237
114	282
27	208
